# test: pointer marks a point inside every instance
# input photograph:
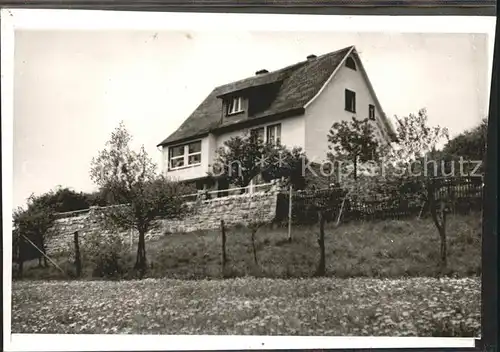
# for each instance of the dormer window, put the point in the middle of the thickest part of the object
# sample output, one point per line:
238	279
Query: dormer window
234	106
350	63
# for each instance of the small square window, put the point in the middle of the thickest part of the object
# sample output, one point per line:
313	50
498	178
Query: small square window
177	162
177	151
194	159
195	147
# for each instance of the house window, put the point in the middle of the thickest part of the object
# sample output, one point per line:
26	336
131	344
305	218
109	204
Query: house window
259	132
350	100
350	63
274	134
184	155
269	134
371	112
234	106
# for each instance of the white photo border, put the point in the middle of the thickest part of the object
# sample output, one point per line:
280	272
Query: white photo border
32	19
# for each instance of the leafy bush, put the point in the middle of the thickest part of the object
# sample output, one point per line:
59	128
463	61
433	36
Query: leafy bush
107	255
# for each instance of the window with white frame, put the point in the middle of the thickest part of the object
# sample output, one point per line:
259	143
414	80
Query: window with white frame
268	134
234	106
274	134
184	155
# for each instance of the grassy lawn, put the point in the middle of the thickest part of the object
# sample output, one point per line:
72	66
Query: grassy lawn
379	249
383	249
326	306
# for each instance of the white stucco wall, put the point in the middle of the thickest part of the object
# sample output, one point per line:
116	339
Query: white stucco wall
292	135
329	107
292	132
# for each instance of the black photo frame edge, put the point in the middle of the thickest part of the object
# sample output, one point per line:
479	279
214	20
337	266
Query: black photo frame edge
490	326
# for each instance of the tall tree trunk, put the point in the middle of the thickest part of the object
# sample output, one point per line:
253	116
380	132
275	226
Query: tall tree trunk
442	234
254	249
355	168
438	212
140	263
20	267
321	271
441	226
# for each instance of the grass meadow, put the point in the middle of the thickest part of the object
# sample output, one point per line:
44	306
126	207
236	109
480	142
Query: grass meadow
382	280
376	249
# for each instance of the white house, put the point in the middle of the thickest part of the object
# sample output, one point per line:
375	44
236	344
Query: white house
296	105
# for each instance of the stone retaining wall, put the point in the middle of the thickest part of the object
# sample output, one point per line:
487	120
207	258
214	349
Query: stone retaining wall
202	215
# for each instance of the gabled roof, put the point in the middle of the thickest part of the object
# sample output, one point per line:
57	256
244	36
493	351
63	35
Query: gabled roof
298	85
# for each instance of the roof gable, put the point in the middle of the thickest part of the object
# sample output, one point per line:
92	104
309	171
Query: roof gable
360	67
390	128
299	83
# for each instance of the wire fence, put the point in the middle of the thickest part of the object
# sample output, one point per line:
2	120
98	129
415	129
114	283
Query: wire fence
462	194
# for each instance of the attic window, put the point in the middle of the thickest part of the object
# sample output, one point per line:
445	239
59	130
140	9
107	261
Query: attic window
350	63
234	106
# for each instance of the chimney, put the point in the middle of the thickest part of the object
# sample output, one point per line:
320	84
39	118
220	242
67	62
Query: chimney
261	72
311	57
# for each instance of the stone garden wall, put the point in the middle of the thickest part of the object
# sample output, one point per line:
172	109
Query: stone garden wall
202	215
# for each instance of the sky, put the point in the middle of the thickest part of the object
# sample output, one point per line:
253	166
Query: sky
73	87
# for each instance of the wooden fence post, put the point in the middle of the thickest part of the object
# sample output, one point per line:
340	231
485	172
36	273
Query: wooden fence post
290	214
321	271
78	260
223	254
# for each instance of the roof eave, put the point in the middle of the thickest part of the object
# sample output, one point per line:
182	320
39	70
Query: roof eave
259	120
166	142
236	126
